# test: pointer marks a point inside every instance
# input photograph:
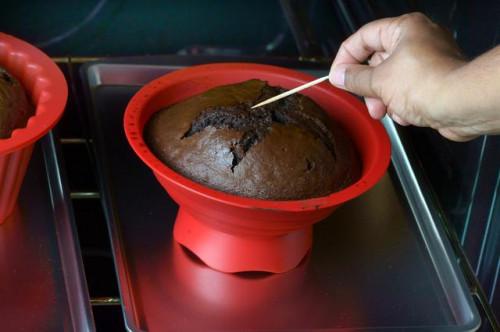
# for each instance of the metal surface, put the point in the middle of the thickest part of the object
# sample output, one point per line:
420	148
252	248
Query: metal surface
42	286
380	262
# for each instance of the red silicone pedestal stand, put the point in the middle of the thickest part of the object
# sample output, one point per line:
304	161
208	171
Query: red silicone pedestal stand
233	252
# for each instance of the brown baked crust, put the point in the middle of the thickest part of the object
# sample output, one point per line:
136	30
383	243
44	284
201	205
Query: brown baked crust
286	150
15	108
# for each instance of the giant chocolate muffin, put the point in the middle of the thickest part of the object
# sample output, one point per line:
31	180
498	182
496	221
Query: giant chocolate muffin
286	150
15	109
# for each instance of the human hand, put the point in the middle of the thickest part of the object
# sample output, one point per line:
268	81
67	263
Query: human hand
412	64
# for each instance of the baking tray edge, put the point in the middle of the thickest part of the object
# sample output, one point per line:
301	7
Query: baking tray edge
68	244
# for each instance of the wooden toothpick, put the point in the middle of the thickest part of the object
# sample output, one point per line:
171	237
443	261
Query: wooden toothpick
291	92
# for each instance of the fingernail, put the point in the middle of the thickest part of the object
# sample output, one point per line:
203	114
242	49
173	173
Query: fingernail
337	76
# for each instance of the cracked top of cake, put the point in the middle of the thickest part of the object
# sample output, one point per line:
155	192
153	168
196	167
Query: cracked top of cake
285	150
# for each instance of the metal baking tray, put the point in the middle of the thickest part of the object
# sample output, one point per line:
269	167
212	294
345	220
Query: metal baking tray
42	285
381	262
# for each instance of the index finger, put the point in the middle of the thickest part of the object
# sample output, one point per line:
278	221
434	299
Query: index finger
379	35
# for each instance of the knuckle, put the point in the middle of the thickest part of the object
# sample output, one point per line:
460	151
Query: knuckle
417	17
415	20
360	81
372	82
350	79
354	80
376	82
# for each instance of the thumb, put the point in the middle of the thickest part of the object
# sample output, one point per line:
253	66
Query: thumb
354	78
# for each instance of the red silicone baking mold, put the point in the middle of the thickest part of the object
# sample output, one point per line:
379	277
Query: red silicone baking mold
47	89
232	233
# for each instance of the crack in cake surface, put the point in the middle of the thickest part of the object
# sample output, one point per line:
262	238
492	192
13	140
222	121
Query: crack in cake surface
256	123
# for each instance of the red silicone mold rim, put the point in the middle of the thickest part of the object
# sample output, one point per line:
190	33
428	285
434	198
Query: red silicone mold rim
378	136
48	92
